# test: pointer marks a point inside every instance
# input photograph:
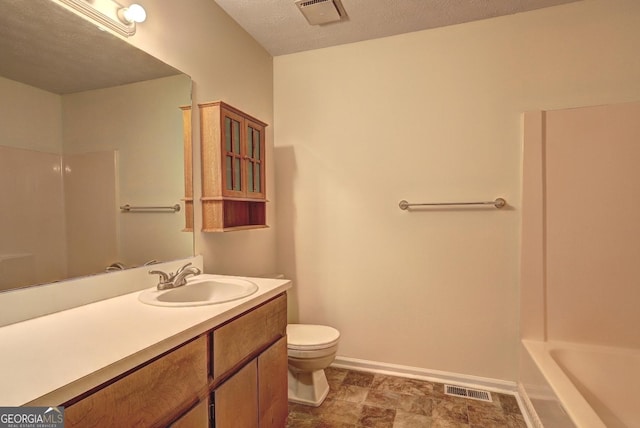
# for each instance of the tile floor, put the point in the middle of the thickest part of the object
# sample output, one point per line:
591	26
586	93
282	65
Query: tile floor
359	399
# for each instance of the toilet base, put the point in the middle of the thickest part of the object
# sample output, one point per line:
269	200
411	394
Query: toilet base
308	388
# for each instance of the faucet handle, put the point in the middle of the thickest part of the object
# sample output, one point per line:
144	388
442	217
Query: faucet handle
115	267
183	268
164	277
180	278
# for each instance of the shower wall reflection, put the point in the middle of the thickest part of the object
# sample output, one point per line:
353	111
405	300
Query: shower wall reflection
67	162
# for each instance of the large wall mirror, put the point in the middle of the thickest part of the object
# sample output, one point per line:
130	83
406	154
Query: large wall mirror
88	123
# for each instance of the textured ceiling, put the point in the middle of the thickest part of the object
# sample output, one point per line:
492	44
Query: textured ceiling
280	28
46	46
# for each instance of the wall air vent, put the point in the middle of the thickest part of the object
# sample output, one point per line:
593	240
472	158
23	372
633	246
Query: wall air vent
320	12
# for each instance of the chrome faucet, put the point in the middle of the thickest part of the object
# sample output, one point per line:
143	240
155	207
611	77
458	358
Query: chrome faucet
181	275
173	280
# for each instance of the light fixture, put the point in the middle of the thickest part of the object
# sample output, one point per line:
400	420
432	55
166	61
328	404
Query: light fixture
131	14
109	14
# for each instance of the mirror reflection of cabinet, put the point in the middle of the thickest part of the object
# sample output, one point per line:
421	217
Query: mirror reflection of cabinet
188	168
233	169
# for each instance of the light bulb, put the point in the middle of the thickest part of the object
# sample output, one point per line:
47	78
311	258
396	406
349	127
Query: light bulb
133	13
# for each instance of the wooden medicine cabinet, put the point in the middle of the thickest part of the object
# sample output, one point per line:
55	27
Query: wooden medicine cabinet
233	169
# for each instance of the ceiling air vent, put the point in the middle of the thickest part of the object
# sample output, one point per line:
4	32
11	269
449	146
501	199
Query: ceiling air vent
320	12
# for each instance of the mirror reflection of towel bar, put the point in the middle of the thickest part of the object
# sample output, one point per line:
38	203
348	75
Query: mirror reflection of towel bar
498	203
129	208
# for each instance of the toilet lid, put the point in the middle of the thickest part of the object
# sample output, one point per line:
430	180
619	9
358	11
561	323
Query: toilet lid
308	336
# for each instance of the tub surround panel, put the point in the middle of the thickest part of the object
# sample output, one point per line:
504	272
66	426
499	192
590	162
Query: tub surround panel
130	334
592	237
579	248
32	218
32	245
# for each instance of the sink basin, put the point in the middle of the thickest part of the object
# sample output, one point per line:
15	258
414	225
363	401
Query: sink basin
201	290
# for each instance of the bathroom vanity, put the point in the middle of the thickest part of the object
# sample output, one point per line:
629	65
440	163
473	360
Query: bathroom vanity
119	362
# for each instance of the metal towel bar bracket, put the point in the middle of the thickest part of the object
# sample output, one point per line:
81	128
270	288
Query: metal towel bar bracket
128	208
498	203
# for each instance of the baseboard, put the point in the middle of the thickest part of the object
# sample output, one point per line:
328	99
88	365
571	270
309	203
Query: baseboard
469	381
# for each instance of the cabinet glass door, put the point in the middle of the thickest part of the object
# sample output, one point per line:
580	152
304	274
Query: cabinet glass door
232	152
255	160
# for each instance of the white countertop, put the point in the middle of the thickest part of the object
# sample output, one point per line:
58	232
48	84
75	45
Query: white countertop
48	360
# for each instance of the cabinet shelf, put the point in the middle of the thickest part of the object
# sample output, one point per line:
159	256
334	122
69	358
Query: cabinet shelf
223	215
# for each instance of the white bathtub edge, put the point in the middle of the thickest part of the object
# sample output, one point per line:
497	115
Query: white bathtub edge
528	410
572	401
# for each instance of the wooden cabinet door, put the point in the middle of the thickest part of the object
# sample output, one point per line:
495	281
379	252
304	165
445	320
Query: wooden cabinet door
273	385
197	417
236	400
254	160
233	146
153	395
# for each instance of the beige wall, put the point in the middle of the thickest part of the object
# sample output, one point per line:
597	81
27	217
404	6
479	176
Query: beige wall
20	104
429	116
225	63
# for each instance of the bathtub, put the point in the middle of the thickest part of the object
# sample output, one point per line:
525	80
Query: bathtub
598	387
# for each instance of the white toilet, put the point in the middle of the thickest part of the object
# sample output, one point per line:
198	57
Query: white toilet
311	349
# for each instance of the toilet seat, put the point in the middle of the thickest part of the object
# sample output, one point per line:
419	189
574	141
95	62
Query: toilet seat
308	337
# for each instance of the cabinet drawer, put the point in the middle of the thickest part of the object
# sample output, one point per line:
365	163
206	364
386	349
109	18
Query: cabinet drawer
248	334
150	396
